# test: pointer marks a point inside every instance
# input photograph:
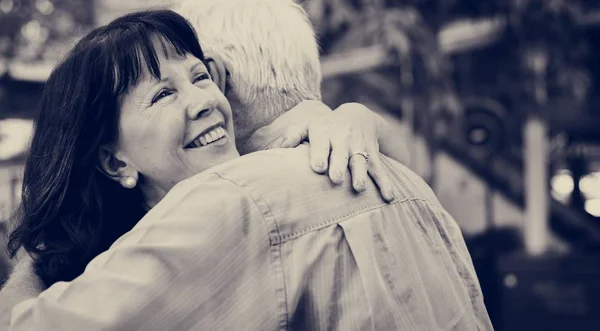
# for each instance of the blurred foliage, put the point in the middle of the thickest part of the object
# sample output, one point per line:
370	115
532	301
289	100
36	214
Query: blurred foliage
548	45
422	72
33	30
552	44
344	25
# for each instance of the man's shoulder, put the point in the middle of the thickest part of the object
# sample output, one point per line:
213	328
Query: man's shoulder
244	179
268	166
278	173
285	174
297	199
290	168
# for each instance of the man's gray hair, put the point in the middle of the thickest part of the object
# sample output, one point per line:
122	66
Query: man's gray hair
268	46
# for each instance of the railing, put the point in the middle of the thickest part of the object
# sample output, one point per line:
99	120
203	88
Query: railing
569	224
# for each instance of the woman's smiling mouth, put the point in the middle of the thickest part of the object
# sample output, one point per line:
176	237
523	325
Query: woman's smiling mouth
215	136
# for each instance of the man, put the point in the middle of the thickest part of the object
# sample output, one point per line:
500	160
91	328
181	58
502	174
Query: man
277	247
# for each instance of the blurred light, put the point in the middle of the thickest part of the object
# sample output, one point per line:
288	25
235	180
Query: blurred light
14	137
590	185
592	206
6	6
31	72
510	281
564	199
45	7
478	136
32	30
536	60
64	23
468	34
562	183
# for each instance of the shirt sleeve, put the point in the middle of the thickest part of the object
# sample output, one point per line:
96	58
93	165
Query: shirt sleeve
197	259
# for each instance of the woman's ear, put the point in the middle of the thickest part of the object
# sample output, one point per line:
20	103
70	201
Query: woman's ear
112	167
218	71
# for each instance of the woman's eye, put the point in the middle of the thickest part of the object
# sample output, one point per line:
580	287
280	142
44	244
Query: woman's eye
160	95
201	77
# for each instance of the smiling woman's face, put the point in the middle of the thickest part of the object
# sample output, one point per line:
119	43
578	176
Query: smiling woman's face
177	126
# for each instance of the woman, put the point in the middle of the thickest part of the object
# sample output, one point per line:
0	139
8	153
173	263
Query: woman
128	114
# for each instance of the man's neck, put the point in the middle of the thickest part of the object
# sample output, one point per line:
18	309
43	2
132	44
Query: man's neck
269	129
293	119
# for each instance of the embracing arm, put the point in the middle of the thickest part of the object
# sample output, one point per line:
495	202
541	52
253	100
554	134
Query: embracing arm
337	137
197	258
312	114
23	284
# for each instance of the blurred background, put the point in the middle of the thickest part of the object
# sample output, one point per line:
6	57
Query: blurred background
497	99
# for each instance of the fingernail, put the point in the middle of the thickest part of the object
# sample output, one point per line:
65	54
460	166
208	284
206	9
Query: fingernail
320	165
338	175
360	185
391	196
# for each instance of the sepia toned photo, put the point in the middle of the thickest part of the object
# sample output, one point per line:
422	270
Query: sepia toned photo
410	165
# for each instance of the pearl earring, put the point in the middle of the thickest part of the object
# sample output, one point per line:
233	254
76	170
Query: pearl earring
128	182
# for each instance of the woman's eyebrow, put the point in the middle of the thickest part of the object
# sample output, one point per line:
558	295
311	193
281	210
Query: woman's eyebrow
161	80
196	65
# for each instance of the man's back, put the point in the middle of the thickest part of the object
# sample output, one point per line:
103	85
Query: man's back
263	243
351	261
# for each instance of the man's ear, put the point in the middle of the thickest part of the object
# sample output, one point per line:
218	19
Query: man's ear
109	164
218	71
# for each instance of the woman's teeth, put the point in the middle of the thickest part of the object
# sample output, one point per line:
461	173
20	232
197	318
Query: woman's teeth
214	135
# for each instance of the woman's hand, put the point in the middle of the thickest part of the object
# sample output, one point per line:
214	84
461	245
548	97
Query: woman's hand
341	139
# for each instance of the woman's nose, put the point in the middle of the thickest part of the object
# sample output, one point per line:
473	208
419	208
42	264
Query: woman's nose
198	112
201	105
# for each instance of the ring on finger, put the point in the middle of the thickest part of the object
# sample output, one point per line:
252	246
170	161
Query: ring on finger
365	155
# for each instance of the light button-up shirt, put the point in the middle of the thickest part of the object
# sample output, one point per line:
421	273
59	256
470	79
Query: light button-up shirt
264	243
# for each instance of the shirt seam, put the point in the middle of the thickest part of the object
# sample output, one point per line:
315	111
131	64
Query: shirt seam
355	212
274	233
274	250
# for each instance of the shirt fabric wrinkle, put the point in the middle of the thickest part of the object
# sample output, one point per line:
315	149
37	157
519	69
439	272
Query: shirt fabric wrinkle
274	246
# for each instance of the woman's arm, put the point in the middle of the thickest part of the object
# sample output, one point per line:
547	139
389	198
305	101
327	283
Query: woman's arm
338	137
355	114
22	284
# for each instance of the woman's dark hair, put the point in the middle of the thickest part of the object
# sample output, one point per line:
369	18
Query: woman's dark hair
70	212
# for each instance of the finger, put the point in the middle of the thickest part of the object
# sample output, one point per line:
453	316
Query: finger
359	171
380	178
338	162
320	147
275	144
294	137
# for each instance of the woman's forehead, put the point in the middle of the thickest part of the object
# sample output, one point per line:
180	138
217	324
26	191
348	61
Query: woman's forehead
160	50
168	58
187	62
